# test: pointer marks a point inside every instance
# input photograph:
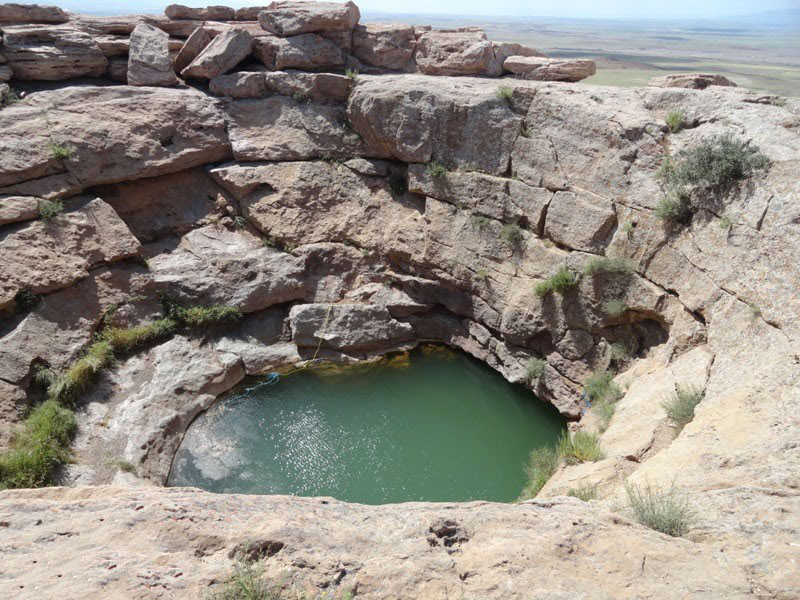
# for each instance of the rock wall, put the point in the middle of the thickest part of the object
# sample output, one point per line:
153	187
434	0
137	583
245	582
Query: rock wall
348	217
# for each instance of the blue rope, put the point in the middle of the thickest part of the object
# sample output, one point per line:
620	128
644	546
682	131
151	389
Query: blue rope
271	379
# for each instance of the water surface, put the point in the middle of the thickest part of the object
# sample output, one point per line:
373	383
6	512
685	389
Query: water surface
435	426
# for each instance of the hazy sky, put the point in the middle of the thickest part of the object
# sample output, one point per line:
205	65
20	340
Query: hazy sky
531	8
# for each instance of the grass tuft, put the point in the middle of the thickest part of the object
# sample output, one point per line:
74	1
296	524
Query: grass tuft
435	169
512	234
676	120
59	151
351	74
607	264
534	369
584	492
665	510
301	97
614	307
50	209
203	316
717	163
674	208
561	281
604	394
584	446
541	465
39	448
480	222
680	407
505	93
247	582
26	300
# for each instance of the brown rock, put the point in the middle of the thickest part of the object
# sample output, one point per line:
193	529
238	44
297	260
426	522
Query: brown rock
244	84
502	50
226	51
118	69
149	61
280	128
578	221
694	81
44	257
47	52
549	69
288	18
113	46
454	52
308	52
5	72
319	87
191	48
18	208
31	13
208	13
248	13
385	46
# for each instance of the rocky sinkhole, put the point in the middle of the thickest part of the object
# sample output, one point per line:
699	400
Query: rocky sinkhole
190	199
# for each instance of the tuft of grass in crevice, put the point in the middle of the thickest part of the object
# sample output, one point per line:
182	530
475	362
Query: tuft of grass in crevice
717	162
584	492
246	582
351	74
50	209
604	395
676	120
561	281
541	465
534	369
512	234
665	510
479	222
435	169
301	97
614	307
505	94
583	446
25	300
674	208
608	264
59	151
680	407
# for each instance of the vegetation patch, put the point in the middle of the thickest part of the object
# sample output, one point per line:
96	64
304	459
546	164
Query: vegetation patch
301	97
505	93
541	465
665	510
480	222
674	208
604	395
351	74
680	407
435	169
607	264
584	492
534	369
584	446
512	234
561	281
676	120
26	300
59	151
7	96
614	307
717	163
50	209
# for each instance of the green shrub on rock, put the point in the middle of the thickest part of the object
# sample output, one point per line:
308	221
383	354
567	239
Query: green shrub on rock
561	281
534	369
665	510
584	446
675	120
541	465
608	264
50	209
435	169
717	162
680	407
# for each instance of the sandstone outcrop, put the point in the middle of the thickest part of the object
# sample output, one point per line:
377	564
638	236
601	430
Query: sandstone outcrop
350	217
31	13
549	69
225	51
694	81
149	61
288	18
208	13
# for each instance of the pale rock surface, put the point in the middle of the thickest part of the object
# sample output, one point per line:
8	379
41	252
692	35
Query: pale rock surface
578	221
549	69
464	51
695	81
212	265
207	13
308	51
385	46
31	13
288	18
242	84
45	257
319	87
18	208
503	50
149	61
347	327
225	51
51	53
192	47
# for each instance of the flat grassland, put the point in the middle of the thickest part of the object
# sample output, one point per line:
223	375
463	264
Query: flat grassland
762	57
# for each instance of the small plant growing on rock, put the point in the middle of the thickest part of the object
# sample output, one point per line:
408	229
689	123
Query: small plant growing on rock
665	510
505	93
628	227
606	264
619	351
247	582
561	281
755	311
351	74
604	395
480	222
59	151
725	222
674	208
584	446
204	316
541	465
585	492
301	97
397	184
614	307
675	120
239	222
534	369
435	169
124	466
511	234
597	99
680	407
25	300
50	209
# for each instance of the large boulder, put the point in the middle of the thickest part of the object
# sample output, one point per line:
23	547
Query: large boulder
282	128
43	257
154	131
464	51
319	87
308	52
18	208
503	50
192	47
216	266
457	122
207	13
549	69
580	221
385	46
226	51
149	61
347	327
31	13
243	84
51	53
287	18
694	81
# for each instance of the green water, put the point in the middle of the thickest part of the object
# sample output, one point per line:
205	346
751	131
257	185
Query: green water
440	426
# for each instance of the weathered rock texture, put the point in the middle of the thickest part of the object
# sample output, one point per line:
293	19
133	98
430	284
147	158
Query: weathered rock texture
149	62
549	69
308	200
694	81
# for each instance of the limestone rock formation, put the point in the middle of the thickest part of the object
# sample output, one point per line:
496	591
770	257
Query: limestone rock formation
288	17
319	87
694	81
149	61
192	47
208	13
464	51
31	13
243	84
308	51
549	69
226	51
18	208
385	46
